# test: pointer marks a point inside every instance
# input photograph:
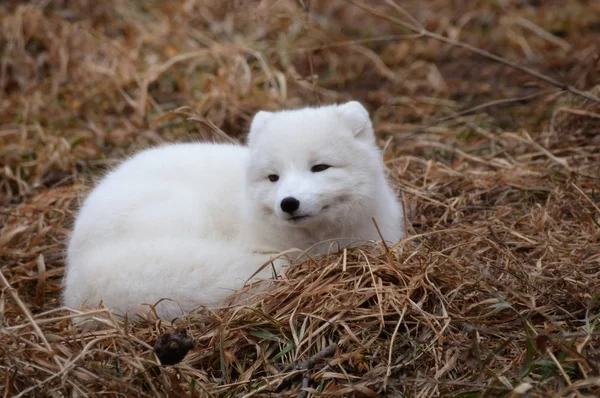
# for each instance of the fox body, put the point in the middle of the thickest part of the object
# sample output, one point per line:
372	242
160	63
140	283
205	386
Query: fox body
190	223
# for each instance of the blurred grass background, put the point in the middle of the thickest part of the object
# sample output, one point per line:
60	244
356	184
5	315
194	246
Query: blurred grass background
496	293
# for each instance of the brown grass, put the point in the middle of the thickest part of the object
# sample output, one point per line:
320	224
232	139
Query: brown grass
496	292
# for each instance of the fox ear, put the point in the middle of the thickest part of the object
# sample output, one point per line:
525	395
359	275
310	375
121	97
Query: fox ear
258	122
356	118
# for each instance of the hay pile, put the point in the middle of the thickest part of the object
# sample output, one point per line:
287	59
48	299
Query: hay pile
496	292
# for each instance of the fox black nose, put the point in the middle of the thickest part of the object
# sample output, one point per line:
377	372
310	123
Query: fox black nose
290	204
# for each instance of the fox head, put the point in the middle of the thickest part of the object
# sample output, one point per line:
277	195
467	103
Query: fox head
313	166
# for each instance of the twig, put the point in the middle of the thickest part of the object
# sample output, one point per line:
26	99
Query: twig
307	365
348	43
310	362
426	33
305	384
484	106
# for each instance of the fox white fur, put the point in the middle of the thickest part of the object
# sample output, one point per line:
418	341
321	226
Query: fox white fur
190	223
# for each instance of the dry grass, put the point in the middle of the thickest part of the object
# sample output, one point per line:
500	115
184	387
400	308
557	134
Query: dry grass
496	292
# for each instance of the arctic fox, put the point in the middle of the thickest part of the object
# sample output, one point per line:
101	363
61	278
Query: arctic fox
190	223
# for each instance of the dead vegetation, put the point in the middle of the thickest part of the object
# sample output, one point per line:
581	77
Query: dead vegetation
496	292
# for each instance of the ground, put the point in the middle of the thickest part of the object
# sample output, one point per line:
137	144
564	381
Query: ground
495	293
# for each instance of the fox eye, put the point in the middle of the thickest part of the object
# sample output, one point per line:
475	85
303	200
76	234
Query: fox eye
273	177
319	167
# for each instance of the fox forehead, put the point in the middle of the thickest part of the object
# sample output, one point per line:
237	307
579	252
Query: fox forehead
273	155
302	135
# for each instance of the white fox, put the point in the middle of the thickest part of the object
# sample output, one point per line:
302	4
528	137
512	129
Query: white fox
190	223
